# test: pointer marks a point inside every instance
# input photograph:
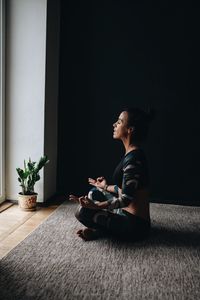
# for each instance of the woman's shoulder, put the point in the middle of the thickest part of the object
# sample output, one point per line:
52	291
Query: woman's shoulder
136	156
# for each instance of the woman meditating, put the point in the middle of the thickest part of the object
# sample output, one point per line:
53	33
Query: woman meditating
120	210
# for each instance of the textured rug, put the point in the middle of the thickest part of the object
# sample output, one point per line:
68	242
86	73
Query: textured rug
53	263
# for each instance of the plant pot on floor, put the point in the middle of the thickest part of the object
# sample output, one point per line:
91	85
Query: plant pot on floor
27	202
27	178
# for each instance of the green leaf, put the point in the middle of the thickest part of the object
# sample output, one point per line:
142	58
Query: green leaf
20	173
24	165
31	165
30	174
37	177
43	160
26	174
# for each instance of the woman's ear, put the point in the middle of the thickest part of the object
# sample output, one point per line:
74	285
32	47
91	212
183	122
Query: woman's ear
131	129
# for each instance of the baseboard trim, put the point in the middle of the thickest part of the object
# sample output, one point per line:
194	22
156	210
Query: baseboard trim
5	205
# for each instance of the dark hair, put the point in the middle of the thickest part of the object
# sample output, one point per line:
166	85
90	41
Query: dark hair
140	120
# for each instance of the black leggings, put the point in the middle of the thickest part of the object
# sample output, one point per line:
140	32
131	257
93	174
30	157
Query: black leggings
124	225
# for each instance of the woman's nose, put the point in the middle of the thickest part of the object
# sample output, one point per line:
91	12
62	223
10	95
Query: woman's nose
114	124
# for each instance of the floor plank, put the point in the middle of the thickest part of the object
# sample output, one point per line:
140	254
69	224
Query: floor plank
16	225
5	205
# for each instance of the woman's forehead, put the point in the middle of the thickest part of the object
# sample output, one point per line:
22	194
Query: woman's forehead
123	116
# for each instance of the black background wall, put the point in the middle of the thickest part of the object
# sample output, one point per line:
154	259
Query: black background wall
118	53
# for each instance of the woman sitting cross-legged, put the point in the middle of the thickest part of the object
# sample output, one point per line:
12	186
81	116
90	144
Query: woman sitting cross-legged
120	210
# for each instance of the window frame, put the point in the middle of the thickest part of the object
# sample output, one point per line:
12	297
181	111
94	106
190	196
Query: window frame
2	101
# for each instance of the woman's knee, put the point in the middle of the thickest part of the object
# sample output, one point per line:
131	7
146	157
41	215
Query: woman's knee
83	213
79	212
101	218
85	216
96	195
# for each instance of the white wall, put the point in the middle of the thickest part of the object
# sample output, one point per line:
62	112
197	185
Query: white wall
26	90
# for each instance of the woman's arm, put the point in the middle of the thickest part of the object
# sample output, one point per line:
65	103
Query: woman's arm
130	183
102	185
111	188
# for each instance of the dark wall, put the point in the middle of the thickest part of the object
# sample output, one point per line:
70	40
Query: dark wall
118	53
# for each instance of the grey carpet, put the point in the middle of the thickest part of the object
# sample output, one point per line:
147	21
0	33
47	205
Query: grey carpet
53	263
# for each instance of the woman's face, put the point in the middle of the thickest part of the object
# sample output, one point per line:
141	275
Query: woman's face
120	126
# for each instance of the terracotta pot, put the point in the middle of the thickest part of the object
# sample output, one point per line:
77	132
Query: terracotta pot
27	202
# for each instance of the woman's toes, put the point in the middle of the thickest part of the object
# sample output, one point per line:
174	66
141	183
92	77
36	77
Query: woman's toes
87	234
81	234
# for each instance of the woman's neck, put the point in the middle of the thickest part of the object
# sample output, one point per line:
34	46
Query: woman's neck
129	148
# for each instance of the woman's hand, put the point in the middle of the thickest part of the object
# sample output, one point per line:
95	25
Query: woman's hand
88	203
74	198
84	201
100	182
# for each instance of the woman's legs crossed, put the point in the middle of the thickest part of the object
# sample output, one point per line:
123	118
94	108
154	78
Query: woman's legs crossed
127	226
118	223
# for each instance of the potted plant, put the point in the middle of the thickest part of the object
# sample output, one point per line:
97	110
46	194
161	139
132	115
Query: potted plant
27	178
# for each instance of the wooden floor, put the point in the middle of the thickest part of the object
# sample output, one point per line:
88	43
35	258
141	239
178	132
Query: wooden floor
16	224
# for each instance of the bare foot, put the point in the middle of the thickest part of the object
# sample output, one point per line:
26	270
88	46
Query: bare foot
88	234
